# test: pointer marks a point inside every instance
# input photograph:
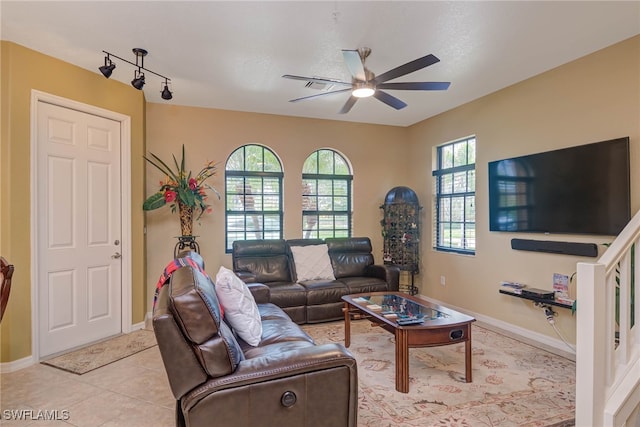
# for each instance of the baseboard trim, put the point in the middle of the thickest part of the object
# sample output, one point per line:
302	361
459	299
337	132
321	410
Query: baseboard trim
148	320
138	326
536	339
16	365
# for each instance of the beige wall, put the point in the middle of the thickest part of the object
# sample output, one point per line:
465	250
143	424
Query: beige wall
588	100
375	154
591	99
23	70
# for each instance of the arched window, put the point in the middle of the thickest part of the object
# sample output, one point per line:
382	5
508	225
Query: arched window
253	202
326	195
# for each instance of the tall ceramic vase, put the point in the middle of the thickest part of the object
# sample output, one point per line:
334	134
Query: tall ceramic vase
186	219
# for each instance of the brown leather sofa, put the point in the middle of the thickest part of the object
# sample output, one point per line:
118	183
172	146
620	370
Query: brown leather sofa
219	380
271	262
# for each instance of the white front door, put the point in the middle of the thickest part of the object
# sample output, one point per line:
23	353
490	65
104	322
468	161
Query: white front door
78	228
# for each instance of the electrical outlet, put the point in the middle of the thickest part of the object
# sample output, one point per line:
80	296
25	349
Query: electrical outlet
443	281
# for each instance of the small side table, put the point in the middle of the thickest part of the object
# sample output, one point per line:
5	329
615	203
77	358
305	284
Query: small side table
185	242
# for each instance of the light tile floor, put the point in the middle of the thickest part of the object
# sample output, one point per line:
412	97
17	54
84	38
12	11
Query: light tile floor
132	392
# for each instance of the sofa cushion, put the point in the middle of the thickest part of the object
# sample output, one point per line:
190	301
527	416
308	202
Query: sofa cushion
195	303
220	355
195	307
274	349
358	285
266	269
323	291
267	259
239	305
249	248
271	311
282	330
350	264
312	262
350	256
287	294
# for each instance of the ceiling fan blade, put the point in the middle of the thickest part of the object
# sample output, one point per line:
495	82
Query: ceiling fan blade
316	80
415	86
390	100
320	94
347	105
354	64
409	67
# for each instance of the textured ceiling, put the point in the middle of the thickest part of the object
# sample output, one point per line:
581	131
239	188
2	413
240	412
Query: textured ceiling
232	54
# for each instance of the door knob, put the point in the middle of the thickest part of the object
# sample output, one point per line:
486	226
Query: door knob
116	255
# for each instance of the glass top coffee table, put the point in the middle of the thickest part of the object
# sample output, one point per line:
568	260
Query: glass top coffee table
415	322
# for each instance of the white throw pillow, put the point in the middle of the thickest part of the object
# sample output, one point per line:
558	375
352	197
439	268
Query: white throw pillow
312	262
240	308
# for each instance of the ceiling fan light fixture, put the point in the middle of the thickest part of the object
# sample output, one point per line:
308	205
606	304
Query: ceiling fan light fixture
364	83
363	90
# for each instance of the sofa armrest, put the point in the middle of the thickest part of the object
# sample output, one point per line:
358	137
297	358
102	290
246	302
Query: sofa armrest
388	273
323	379
285	364
246	276
261	292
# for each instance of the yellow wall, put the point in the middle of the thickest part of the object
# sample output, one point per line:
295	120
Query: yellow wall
588	100
375	154
23	70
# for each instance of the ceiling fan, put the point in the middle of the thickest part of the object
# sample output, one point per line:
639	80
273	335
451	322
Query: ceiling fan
365	83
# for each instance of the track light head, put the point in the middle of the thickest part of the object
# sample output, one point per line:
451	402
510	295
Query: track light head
138	80
108	67
166	93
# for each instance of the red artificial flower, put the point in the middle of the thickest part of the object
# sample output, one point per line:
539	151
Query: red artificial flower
193	184
169	196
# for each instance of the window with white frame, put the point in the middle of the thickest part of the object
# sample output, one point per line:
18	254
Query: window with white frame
326	195
253	195
455	196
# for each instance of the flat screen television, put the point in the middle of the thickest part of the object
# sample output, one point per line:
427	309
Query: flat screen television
576	190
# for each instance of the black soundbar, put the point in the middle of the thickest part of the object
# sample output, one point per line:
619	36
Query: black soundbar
565	248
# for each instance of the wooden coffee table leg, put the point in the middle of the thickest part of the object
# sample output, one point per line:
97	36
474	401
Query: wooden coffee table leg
347	325
402	361
467	355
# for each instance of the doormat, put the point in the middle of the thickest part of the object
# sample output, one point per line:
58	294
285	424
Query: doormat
103	353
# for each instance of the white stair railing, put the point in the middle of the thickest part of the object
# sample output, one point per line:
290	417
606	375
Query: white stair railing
607	339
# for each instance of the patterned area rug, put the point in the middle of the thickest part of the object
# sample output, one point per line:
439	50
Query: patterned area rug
97	355
514	384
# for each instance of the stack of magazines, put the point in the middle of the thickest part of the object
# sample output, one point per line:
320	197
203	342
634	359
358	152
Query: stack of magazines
513	287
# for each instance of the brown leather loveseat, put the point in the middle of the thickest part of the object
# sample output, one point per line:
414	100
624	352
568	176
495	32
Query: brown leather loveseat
271	262
220	380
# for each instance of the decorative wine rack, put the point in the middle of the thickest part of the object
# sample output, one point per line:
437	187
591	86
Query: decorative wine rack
401	232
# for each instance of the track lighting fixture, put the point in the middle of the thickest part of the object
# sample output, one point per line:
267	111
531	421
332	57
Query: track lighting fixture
138	80
138	75
108	67
166	93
